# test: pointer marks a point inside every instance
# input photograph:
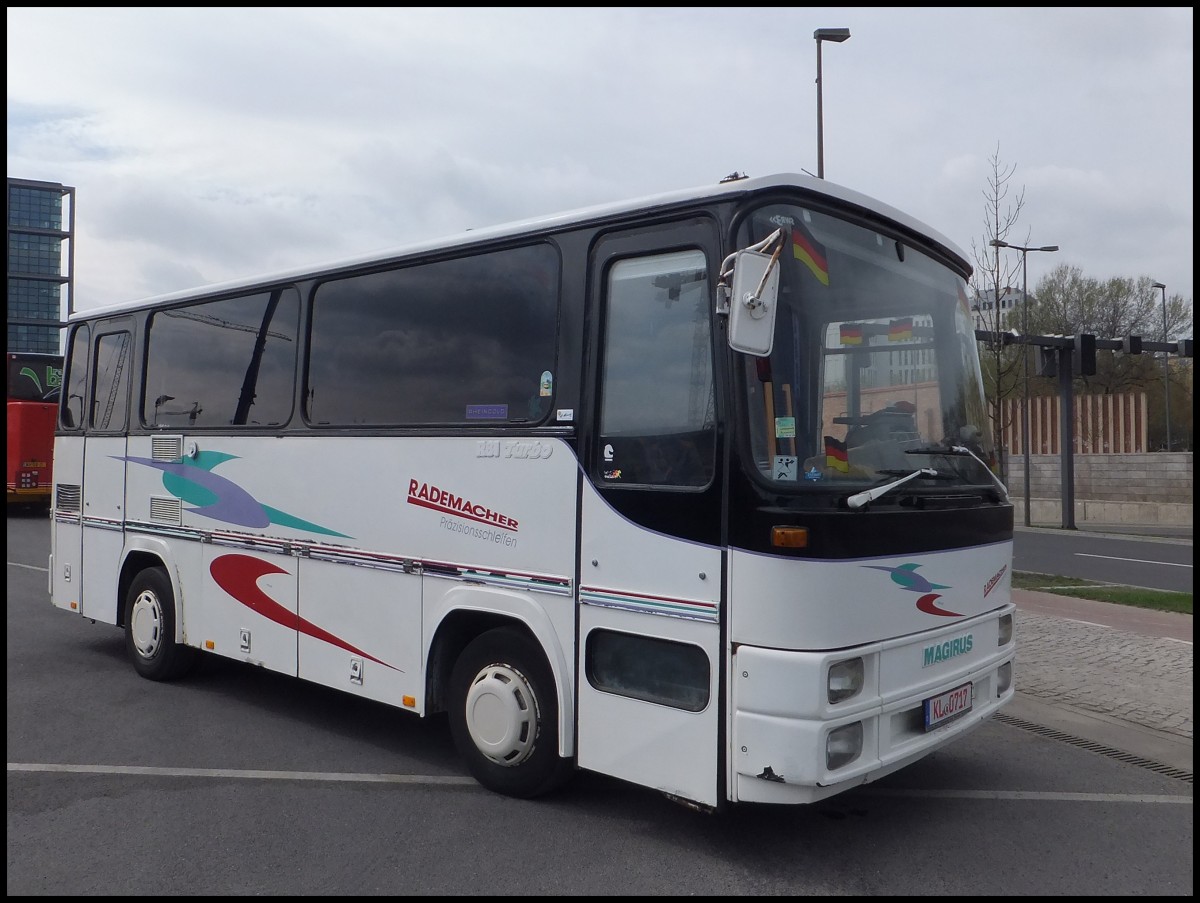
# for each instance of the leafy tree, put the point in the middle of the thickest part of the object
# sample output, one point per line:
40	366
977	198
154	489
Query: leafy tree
1068	303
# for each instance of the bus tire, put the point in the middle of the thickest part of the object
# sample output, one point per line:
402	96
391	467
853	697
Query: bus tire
504	715
150	628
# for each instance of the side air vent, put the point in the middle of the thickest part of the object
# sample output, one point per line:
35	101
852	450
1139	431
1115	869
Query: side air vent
166	511
68	498
166	448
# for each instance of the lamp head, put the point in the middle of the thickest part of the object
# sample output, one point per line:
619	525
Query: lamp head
997	243
837	35
1159	285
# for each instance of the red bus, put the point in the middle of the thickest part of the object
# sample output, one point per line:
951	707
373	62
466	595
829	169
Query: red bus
34	381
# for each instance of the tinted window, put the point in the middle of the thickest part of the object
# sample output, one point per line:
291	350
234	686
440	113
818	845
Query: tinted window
648	668
656	410
466	341
110	382
34	377
223	363
71	411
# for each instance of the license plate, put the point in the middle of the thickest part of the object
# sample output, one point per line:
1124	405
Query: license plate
947	706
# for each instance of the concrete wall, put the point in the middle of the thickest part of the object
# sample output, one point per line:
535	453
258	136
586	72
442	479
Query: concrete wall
1109	489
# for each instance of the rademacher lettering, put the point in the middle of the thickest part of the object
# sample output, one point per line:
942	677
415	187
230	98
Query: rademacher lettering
429	496
991	584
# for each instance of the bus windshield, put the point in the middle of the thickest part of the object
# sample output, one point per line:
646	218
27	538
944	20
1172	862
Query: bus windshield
882	335
34	376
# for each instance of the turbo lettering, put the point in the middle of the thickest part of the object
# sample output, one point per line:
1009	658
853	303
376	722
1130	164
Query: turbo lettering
519	449
437	499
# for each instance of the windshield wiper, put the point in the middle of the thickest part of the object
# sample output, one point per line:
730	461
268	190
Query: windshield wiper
949	451
963	451
861	498
889	472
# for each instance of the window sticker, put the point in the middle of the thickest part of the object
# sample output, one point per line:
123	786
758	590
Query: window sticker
785	427
546	386
612	473
487	412
785	467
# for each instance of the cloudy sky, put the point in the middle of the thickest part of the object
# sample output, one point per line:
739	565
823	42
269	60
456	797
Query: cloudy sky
212	144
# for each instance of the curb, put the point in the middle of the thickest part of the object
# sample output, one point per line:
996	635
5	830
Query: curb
1157	746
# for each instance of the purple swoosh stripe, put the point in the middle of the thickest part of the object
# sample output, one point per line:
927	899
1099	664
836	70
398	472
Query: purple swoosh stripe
234	504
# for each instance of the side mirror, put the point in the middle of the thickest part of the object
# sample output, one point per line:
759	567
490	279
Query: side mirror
752	302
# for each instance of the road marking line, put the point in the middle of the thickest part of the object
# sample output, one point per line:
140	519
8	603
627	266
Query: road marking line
1169	564
1036	795
340	777
255	774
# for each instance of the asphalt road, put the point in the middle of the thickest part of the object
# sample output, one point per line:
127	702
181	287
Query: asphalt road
241	781
1134	559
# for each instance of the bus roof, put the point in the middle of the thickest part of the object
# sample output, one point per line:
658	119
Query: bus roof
723	190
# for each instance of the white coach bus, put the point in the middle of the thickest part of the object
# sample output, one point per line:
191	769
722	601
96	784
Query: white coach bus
694	491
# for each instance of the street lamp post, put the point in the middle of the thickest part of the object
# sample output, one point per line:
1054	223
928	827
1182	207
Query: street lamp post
1166	368
997	243
837	35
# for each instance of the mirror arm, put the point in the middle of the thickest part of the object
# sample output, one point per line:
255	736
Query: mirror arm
767	274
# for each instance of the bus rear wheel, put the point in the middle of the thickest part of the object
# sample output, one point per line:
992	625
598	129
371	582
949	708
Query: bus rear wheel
504	715
150	628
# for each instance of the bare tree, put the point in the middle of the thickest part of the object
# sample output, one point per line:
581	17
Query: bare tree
992	286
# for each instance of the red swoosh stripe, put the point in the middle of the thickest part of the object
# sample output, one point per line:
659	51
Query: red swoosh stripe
926	604
238	575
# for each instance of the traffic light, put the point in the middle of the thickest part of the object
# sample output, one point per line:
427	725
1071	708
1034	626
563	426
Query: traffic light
1047	364
1132	344
1085	354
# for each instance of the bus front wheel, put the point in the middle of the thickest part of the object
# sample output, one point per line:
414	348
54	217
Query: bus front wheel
150	628
504	715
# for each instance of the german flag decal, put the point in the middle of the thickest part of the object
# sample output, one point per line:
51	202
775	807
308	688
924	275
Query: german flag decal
810	252
900	330
835	455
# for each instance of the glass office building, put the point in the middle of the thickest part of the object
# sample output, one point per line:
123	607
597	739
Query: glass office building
41	230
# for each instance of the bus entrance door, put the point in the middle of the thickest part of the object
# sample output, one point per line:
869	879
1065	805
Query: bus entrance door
650	560
649	653
105	449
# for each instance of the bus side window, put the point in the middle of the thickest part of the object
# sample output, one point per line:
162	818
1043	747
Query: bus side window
656	417
675	461
71	410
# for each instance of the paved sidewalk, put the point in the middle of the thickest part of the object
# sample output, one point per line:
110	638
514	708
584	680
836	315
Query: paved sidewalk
1105	673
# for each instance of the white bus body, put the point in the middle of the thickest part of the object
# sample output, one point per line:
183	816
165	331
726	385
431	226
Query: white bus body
592	531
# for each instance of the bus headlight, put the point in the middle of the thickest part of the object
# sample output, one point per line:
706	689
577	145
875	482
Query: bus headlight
1006	629
845	679
843	745
1003	678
